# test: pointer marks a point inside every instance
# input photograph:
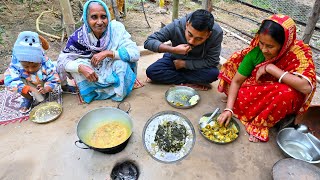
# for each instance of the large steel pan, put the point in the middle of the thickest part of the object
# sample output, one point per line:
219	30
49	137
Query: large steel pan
95	119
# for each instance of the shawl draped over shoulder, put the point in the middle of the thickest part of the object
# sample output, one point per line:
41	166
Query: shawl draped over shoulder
116	77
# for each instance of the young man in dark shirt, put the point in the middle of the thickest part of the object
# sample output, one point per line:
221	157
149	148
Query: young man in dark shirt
194	54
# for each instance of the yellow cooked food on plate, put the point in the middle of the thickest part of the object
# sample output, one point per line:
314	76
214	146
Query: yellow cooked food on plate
109	135
217	133
45	112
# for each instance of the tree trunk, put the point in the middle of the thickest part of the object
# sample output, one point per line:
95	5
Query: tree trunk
67	17
175	9
312	21
207	5
115	10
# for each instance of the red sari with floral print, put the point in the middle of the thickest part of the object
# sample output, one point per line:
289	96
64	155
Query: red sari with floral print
261	104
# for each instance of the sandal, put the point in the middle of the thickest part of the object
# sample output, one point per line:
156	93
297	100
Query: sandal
69	89
27	105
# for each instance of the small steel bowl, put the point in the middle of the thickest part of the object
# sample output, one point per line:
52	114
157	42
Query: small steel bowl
299	145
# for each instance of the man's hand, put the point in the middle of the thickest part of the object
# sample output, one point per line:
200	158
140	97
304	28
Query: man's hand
88	72
182	49
179	64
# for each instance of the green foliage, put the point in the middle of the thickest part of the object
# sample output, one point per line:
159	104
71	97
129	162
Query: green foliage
134	4
254	31
265	4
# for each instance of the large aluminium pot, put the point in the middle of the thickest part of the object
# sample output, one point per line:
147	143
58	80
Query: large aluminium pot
95	119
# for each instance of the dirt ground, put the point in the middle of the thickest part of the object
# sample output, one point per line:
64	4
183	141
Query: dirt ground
33	151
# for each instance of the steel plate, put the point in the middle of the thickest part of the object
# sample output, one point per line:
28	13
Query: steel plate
149	132
230	123
45	112
179	97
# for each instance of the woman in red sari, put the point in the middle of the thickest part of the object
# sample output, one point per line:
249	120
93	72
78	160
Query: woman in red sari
273	77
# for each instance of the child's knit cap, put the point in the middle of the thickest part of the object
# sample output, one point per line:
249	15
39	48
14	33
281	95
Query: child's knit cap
28	47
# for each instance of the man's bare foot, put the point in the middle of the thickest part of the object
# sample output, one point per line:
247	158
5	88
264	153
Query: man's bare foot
198	87
253	139
148	80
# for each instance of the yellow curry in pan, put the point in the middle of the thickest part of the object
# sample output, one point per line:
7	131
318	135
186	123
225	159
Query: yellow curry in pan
108	135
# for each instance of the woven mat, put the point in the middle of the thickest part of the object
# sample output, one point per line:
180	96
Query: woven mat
10	104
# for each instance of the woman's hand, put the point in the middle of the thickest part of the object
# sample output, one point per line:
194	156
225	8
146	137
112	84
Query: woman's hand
88	72
97	58
295	81
224	118
261	71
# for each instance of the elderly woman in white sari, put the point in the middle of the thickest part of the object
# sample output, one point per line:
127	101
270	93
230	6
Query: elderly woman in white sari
100	56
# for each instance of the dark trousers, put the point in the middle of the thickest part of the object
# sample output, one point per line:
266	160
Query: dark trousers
163	71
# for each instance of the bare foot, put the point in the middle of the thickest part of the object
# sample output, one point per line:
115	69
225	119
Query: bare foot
253	139
137	84
148	80
199	87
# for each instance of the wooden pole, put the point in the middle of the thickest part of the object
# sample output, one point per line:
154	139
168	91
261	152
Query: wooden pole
175	9
67	16
207	5
312	21
115	10
125	11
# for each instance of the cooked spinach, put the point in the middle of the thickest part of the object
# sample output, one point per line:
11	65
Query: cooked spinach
170	136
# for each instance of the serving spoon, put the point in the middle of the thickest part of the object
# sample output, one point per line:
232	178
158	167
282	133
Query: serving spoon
203	124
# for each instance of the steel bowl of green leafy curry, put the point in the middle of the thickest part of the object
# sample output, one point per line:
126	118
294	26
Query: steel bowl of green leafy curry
168	136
